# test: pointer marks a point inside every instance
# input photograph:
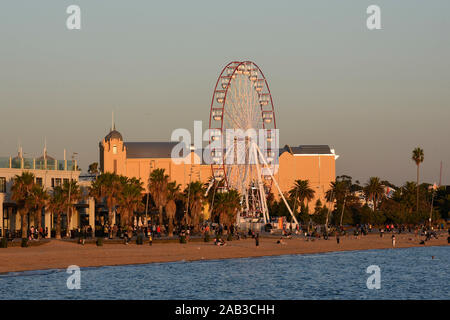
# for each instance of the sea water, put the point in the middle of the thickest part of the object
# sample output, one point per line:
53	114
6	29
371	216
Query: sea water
410	273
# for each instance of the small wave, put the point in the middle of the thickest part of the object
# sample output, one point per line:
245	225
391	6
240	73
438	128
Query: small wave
30	273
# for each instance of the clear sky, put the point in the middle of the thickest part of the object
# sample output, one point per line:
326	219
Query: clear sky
371	95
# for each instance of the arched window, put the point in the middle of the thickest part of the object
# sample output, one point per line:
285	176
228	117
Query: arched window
115	149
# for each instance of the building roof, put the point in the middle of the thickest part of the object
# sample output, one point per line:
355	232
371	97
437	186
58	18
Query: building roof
113	134
45	156
307	149
149	149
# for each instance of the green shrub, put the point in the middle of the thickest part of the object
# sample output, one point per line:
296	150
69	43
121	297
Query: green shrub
4	243
140	239
182	239
229	237
24	243
206	239
99	242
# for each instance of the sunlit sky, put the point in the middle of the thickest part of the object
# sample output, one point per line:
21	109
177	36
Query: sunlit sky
373	96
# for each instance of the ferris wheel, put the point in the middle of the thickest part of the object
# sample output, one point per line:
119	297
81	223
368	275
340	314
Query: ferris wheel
243	136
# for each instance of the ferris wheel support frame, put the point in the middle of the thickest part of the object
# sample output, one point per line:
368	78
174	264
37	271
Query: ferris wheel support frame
278	187
262	193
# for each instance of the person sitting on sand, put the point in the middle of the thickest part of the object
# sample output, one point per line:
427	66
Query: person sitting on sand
281	241
219	242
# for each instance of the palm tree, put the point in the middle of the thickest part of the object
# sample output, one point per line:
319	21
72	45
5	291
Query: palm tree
106	186
301	192
417	157
213	185
226	206
130	200
57	204
72	195
93	168
195	197
374	191
173	194
157	186
21	194
338	192
40	200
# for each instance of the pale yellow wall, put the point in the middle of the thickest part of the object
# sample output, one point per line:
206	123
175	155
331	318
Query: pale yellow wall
109	156
319	170
140	168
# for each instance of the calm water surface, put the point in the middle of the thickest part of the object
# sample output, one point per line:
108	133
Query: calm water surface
405	274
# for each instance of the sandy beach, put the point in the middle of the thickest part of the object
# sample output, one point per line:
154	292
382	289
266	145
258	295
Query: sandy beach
57	254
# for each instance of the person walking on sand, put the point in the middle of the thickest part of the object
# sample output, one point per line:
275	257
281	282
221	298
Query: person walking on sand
257	239
337	238
393	241
158	231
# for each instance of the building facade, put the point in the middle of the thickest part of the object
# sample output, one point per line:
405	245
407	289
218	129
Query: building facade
48	172
315	163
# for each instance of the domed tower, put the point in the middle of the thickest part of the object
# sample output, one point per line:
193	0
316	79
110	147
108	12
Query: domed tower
113	153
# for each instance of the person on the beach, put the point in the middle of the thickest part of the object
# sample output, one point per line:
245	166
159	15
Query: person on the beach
125	238
158	231
393	241
337	238
150	240
219	242
257	239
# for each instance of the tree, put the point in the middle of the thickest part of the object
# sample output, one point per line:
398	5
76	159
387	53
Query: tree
57	204
157	186
417	157
227	205
93	168
130	199
39	201
374	191
72	195
406	196
173	194
339	191
301	191
195	197
21	193
106	187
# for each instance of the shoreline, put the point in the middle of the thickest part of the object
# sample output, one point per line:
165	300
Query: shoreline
57	254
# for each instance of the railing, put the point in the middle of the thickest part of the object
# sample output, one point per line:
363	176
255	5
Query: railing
37	164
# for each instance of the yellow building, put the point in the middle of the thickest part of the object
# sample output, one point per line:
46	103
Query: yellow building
315	163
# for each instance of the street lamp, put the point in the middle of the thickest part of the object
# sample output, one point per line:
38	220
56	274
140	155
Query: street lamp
69	216
434	187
